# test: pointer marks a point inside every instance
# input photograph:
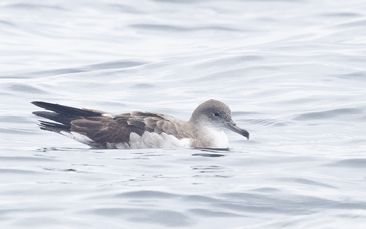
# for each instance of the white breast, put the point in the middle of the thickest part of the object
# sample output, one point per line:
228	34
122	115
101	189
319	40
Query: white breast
216	137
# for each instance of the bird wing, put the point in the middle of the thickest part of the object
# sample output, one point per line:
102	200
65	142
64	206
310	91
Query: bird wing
103	129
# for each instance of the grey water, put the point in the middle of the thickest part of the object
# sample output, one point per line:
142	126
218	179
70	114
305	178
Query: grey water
293	73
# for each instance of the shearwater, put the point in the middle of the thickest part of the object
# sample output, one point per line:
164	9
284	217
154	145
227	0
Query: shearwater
138	129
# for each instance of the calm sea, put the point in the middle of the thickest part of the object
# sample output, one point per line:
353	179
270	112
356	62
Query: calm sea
293	73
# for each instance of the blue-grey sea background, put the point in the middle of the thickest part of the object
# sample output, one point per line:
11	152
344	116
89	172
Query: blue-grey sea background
293	73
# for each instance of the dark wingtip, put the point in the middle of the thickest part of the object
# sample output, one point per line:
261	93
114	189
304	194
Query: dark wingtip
66	111
39	113
39	103
36	102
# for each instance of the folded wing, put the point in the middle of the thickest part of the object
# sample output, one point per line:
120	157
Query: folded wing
100	129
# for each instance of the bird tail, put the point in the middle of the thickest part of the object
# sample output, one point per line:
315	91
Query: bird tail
62	115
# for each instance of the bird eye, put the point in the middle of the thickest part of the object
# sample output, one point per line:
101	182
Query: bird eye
216	114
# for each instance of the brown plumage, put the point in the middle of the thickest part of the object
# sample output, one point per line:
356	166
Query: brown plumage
102	127
105	130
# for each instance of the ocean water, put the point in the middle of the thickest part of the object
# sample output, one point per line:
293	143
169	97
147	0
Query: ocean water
293	73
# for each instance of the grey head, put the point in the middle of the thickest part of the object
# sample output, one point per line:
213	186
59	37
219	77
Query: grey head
218	115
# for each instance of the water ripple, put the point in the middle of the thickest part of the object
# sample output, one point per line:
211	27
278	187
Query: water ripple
351	163
161	217
147	194
329	114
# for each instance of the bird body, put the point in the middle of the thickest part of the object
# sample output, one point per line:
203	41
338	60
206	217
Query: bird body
138	129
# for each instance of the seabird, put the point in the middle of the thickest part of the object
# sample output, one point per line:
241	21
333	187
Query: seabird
138	129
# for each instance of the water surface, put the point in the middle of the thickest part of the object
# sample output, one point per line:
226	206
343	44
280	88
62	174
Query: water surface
293	73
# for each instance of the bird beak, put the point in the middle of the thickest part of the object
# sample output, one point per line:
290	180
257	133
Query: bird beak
232	126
